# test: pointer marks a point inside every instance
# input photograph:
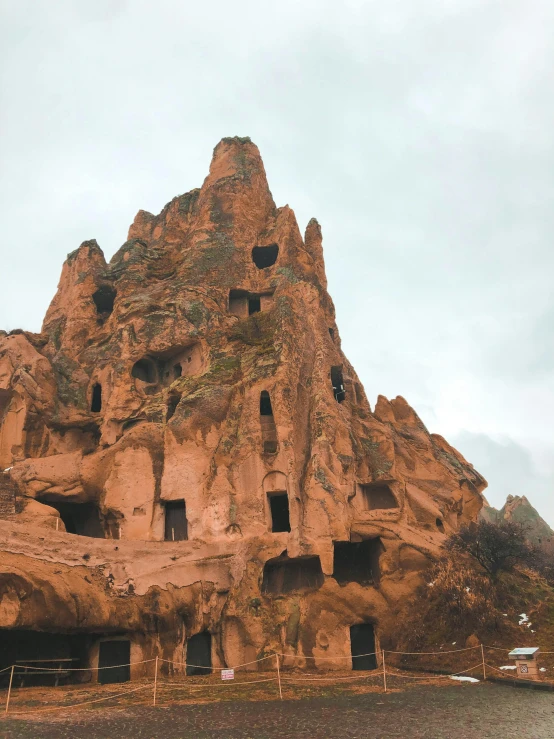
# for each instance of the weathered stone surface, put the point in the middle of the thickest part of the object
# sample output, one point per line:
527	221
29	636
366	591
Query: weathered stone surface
517	508
198	367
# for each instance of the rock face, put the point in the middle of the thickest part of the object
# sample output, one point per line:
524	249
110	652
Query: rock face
517	508
192	455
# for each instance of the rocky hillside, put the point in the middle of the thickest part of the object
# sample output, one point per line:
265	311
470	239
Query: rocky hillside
517	508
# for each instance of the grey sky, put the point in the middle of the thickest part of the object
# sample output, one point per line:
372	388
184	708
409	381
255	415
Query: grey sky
419	134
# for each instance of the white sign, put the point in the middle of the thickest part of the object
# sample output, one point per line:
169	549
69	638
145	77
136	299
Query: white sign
227	674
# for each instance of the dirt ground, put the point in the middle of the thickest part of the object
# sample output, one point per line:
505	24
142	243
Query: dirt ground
434	710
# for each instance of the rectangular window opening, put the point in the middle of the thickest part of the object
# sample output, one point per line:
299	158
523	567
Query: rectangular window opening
279	507
176	526
337	382
254	305
378	496
114	654
199	654
357	561
362	647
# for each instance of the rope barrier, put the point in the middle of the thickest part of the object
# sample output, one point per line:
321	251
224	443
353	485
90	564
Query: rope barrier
327	659
77	669
78	705
502	672
227	684
234	667
449	651
22	669
326	679
436	677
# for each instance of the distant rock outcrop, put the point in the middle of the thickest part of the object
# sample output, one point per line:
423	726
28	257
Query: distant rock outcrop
193	460
517	508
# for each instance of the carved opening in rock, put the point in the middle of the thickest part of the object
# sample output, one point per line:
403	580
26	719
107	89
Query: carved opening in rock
332	334
104	299
244	304
199	654
115	654
362	647
176	527
179	362
269	429
265	404
378	495
172	403
52	651
82	519
96	401
440	525
145	370
254	305
357	561
338	384
238	302
279	508
265	256
283	575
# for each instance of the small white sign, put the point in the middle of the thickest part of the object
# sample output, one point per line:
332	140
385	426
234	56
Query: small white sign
227	674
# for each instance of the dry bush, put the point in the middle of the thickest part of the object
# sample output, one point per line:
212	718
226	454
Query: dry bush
457	599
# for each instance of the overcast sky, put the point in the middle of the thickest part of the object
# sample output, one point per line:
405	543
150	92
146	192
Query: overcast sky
420	134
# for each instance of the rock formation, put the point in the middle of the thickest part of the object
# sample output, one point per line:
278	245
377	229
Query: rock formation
191	461
517	508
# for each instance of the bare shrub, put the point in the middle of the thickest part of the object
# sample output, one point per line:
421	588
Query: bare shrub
496	547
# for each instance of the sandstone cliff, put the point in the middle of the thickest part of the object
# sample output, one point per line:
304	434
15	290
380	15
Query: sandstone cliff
190	452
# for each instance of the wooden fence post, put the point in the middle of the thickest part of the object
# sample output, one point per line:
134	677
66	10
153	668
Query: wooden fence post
384	671
9	690
483	659
155	682
279	676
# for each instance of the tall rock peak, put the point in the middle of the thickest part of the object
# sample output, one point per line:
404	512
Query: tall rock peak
191	400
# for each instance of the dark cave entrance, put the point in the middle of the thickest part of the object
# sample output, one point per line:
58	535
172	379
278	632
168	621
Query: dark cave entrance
265	404
254	305
269	429
96	401
114	654
82	519
283	575
357	561
145	370
279	508
33	649
104	299
338	384
176	527
378	495
199	654
265	256
362	647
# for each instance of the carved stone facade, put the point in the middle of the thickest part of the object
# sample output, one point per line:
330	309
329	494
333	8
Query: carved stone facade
195	455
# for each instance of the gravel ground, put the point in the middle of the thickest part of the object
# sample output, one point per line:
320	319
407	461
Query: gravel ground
452	712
